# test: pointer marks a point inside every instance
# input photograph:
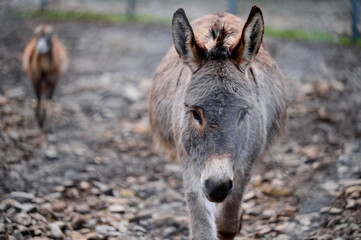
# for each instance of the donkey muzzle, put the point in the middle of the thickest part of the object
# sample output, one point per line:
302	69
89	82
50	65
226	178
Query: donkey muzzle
217	191
217	178
42	46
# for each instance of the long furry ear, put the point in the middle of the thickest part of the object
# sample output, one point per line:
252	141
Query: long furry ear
246	46
185	42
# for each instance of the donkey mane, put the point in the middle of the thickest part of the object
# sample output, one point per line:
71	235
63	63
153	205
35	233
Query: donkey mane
219	35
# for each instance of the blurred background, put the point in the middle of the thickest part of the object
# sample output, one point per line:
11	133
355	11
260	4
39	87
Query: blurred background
97	175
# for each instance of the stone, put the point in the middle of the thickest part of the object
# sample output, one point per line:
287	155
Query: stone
126	193
171	195
337	85
45	209
169	231
138	228
59	206
276	191
252	211
323	115
290	227
306	221
23	219
341	226
92	236
15	93
141	216
77	221
350	182
10	203
2	228
325	237
77	236
116	209
28	207
82	208
351	203
18	236
283	237
354	226
323	87
22	196
14	135
173	169
84	185
330	187
38	232
268	213
306	89
59	189
353	191
264	231
325	209
140	128
281	227
22	228
68	183
105	230
131	93
289	209
40	218
62	225
55	231
310	151
249	195
123	227
51	154
335	210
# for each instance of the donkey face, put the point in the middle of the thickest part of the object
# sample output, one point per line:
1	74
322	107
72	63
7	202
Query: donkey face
44	35
218	101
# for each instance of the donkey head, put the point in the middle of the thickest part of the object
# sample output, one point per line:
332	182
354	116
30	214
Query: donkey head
44	35
219	100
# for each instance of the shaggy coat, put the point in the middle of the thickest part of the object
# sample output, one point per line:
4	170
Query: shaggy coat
217	103
45	59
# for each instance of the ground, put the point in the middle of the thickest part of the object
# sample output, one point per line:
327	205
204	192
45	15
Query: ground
97	175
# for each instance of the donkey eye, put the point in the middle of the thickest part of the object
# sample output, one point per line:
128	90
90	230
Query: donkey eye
196	116
241	116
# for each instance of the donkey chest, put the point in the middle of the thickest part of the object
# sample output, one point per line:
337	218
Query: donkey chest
45	64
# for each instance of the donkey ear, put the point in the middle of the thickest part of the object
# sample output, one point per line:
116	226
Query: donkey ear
246	46
185	41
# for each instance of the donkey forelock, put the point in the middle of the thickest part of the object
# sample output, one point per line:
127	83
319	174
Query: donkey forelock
217	47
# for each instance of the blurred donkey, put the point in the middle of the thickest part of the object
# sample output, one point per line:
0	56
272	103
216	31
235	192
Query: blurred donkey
45	59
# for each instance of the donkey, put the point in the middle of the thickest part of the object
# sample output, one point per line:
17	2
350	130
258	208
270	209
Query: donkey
45	59
217	103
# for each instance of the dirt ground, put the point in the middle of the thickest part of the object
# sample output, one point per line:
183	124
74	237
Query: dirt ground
96	174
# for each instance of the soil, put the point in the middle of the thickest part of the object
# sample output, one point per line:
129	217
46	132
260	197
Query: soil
97	175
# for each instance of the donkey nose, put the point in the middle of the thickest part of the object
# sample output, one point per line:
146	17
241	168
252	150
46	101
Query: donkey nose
218	191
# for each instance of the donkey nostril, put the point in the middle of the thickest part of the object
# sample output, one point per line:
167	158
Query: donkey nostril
230	187
207	184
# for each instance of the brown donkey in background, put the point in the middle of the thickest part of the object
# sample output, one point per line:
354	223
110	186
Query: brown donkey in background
45	59
217	103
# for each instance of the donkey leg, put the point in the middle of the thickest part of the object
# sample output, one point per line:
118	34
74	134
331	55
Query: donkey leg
202	212
228	217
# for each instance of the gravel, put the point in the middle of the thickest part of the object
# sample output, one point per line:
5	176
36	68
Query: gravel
97	175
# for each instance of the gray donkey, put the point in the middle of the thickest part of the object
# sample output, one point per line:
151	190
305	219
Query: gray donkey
217	102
